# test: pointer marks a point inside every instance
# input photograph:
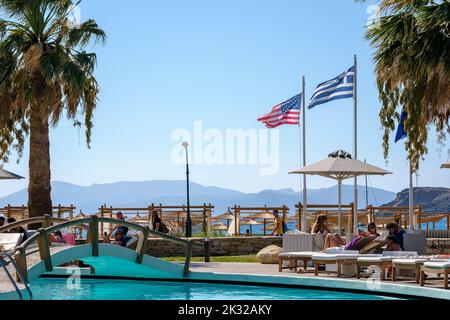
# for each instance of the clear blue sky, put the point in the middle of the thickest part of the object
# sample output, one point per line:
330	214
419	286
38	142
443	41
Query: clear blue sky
169	63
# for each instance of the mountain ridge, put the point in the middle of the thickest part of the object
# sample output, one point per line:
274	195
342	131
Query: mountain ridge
142	193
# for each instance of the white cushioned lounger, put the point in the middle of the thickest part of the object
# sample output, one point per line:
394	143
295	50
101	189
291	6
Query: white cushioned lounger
435	268
297	254
437	264
293	258
9	241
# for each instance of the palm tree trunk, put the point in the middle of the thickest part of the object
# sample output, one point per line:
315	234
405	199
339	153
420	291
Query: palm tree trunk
39	188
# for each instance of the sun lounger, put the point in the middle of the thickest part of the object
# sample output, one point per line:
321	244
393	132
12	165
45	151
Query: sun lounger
383	262
435	268
340	260
9	241
293	258
407	264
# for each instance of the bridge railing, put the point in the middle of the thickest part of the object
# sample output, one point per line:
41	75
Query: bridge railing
45	221
92	224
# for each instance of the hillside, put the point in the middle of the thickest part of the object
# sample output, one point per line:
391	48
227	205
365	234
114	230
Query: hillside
432	199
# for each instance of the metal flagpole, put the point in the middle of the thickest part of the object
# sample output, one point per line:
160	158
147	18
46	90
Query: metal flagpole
355	142
305	191
411	197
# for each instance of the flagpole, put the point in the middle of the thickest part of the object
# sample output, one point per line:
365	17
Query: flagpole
355	143
305	191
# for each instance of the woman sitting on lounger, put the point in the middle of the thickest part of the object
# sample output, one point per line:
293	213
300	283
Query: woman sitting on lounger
332	240
363	238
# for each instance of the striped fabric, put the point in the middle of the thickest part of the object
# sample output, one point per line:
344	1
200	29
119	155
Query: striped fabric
340	87
287	112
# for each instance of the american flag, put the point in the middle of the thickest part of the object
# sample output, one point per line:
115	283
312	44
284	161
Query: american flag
287	112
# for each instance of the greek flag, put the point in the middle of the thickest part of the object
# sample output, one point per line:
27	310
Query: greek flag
340	87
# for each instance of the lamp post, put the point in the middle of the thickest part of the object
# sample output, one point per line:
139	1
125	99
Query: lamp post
188	218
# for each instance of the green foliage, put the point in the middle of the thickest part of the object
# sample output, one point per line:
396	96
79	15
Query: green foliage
44	68
412	57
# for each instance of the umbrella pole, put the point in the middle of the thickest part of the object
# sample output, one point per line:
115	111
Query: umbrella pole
339	205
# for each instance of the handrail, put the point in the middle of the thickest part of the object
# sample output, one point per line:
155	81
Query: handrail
20	276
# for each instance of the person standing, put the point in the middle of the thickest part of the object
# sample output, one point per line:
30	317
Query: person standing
277	224
156	222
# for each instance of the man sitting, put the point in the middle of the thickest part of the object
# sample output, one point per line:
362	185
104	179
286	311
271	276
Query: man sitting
119	239
119	233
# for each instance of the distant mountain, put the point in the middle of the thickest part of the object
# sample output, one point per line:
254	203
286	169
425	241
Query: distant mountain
141	194
431	199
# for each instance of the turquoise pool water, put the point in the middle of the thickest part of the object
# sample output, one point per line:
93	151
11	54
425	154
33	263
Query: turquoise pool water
94	289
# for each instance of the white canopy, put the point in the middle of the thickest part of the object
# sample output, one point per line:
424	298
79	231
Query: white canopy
6	175
341	169
340	166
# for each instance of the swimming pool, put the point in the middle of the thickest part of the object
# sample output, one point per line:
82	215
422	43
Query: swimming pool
106	289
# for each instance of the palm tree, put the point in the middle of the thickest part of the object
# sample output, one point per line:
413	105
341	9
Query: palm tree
45	73
412	57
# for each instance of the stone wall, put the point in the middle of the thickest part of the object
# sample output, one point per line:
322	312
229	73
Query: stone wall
218	246
438	246
251	245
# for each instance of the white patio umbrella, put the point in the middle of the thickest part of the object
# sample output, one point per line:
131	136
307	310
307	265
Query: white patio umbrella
445	165
340	166
6	175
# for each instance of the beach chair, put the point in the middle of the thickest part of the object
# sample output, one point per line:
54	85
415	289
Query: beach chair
337	258
293	258
382	262
438	268
9	241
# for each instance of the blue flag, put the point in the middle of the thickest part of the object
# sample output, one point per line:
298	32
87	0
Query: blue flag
401	134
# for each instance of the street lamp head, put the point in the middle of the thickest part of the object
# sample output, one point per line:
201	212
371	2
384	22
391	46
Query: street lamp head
185	145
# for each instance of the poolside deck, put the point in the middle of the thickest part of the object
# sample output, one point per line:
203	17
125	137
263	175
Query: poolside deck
267	269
